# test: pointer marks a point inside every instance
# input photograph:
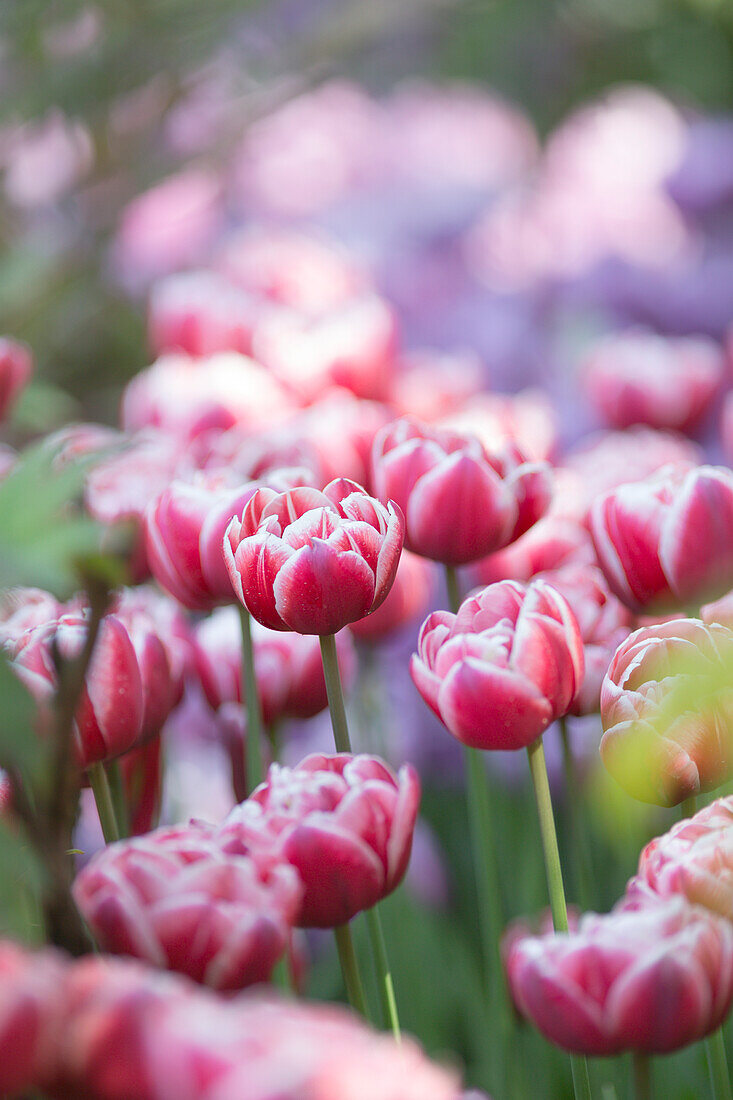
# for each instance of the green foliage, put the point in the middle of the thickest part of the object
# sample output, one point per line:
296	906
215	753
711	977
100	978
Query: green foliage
21	751
21	882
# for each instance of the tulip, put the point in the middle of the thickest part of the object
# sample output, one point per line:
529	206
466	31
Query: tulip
30	1016
666	708
667	542
16	367
652	980
637	377
175	900
23	609
408	598
460	502
142	773
428	384
313	561
502	669
552	543
200	313
344	822
340	429
526	420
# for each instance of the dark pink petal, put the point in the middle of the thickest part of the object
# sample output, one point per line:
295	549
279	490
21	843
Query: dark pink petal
319	590
340	872
487	707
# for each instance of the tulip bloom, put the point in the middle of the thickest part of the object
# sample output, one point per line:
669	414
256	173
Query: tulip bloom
502	669
667	708
30	1016
344	822
175	900
16	367
314	561
409	597
552	543
694	860
200	313
460	502
652	980
667	542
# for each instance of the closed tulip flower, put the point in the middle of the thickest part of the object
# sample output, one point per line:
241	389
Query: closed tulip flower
344	822
175	900
30	1016
666	708
502	669
652	980
16	367
314	561
460	502
667	542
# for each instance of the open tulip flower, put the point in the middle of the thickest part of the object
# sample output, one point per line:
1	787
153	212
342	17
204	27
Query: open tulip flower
344	822
175	900
314	561
667	708
502	669
651	980
460	502
666	543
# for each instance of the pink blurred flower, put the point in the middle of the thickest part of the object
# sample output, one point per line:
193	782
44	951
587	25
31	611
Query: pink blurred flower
16	367
666	708
344	822
341	428
552	543
175	900
408	599
200	313
528	420
46	159
314	561
22	609
288	666
142	777
429	384
720	611
502	669
459	501
639	378
667	542
31	1009
652	980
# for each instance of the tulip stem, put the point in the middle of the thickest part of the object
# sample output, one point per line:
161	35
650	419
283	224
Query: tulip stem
117	791
254	769
350	969
103	797
642	1076
538	770
718	1066
334	692
454	592
385	984
582	860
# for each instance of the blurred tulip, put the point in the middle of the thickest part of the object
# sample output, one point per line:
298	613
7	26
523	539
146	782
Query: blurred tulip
288	666
16	367
652	981
313	561
460	502
526	420
408	599
666	708
340	429
667	542
344	822
720	611
502	669
552	543
22	609
31	1008
200	313
173	899
637	377
142	775
429	384
109	715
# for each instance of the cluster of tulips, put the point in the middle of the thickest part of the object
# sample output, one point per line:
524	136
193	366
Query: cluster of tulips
297	488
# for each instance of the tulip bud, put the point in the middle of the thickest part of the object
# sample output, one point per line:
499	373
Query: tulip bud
502	669
16	367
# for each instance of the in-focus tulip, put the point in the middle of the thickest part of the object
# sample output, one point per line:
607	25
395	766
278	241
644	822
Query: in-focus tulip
652	980
667	542
109	716
175	900
667	708
638	377
694	859
288	666
408	599
460	502
502	669
344	822
16	367
314	561
31	1008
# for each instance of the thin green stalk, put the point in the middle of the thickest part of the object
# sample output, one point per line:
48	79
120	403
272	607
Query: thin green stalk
254	767
334	692
581	854
103	797
718	1066
642	1076
119	802
350	968
454	592
385	985
538	770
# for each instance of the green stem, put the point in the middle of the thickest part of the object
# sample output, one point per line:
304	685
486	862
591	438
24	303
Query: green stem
581	854
103	797
334	692
350	968
718	1066
538	770
642	1076
385	985
255	771
688	807
117	791
454	592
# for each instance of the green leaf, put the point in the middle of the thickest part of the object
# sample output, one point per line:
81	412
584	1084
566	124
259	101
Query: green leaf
21	882
20	748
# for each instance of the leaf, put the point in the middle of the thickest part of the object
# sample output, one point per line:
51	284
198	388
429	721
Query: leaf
20	748
21	882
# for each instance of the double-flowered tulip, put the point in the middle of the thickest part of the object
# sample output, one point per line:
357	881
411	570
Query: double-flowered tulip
502	669
314	561
344	822
666	542
460	502
667	708
650	980
174	899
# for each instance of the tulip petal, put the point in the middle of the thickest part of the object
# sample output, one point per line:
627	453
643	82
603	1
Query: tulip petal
319	590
